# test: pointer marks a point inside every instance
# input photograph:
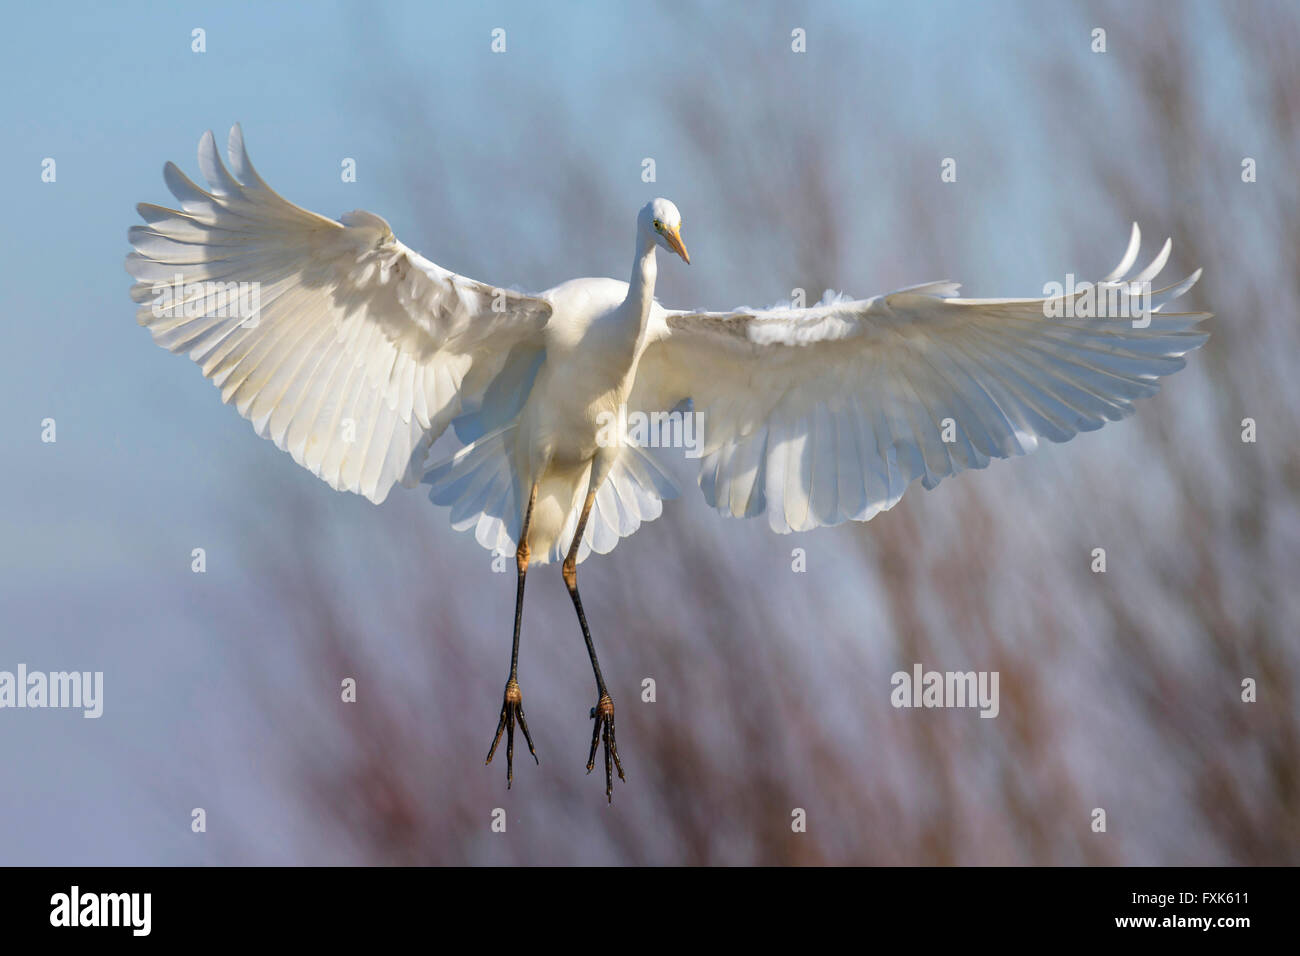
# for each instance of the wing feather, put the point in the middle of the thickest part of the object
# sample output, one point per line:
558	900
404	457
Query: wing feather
343	346
826	414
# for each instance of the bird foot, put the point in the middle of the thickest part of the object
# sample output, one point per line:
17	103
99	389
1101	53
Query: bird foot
512	709
603	715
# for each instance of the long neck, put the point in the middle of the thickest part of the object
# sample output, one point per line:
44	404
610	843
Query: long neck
641	290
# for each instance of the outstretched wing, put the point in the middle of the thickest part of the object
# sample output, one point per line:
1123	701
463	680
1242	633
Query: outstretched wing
344	347
816	416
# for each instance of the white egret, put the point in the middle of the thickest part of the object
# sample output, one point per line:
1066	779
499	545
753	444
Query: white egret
357	353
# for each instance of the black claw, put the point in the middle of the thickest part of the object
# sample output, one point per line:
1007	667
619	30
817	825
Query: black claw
497	739
523	725
511	710
595	740
609	773
603	732
618	764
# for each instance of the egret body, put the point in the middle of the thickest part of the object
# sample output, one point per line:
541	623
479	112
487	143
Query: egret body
360	353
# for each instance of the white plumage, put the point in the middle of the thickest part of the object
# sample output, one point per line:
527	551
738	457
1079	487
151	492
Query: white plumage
364	352
354	353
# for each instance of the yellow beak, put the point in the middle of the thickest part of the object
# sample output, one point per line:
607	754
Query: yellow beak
674	239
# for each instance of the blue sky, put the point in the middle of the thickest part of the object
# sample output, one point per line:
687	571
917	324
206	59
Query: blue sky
112	93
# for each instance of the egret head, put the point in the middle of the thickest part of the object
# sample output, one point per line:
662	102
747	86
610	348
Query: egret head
660	219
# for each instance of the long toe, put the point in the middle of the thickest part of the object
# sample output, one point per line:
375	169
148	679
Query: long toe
501	726
523	725
595	740
512	712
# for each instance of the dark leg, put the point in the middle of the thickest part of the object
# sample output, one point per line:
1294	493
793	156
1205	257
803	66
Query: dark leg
512	706
603	712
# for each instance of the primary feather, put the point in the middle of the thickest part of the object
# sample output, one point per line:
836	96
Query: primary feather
820	415
362	350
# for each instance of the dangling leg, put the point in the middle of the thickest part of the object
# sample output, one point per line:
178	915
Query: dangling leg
512	707
603	712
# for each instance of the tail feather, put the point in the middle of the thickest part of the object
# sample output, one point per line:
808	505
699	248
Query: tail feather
478	484
632	493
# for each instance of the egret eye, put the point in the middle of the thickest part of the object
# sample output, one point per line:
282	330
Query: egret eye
658	224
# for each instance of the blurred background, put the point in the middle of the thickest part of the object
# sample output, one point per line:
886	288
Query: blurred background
810	170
